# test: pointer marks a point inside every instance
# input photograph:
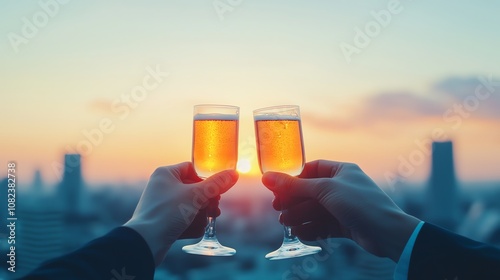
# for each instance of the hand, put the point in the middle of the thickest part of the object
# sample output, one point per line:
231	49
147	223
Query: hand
173	205
334	199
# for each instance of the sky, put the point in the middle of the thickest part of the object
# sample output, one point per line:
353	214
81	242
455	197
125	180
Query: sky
375	80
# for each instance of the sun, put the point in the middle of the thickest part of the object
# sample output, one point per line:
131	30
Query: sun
244	165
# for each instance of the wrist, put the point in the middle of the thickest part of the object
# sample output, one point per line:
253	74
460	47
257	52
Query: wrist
398	230
158	245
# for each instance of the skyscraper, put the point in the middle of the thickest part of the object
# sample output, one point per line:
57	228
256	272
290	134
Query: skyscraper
70	189
442	192
38	182
3	210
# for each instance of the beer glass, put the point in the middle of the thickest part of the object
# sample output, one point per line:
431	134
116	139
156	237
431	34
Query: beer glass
215	149
280	148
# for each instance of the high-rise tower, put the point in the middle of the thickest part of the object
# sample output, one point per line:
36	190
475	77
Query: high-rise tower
70	189
442	192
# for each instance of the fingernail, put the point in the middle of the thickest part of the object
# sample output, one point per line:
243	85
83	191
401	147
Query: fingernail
231	176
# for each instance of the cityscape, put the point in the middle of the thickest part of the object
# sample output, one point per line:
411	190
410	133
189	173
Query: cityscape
96	95
52	223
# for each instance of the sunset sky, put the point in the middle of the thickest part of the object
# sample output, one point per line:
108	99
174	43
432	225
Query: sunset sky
427	69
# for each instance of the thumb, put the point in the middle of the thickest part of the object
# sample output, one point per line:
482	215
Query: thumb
296	187
218	183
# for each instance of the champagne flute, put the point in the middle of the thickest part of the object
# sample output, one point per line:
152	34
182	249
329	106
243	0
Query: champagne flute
280	148
215	149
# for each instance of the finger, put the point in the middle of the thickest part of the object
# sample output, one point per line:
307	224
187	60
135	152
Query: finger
217	184
284	184
182	172
277	203
197	226
293	222
316	230
213	207
304	212
186	173
320	169
282	202
297	221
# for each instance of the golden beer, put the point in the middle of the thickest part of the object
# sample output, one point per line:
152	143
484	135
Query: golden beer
215	143
279	144
280	148
215	148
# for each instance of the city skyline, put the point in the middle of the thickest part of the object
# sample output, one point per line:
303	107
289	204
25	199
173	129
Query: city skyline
369	96
96	95
247	222
248	174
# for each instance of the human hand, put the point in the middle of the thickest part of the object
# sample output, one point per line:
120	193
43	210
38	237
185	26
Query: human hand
334	199
174	204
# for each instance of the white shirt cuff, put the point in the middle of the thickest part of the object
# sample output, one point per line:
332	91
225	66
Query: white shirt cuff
401	271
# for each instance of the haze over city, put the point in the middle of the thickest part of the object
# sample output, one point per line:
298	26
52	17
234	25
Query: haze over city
96	95
88	62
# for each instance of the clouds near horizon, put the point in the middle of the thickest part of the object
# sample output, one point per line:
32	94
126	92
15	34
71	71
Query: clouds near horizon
473	97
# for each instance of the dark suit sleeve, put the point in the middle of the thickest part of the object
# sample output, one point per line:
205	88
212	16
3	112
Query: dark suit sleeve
120	254
440	254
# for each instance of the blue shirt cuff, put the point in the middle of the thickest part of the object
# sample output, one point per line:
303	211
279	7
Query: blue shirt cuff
401	271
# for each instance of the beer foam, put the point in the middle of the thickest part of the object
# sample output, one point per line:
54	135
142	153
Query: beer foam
276	118
222	117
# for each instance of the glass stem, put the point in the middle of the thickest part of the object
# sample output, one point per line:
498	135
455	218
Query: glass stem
289	237
211	214
210	229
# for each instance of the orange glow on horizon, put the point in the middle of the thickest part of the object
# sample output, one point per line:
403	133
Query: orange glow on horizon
244	165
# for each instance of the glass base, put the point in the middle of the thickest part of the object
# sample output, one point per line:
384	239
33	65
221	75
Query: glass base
209	247
293	249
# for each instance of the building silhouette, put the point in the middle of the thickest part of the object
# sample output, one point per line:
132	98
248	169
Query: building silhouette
71	187
4	210
38	185
442	195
